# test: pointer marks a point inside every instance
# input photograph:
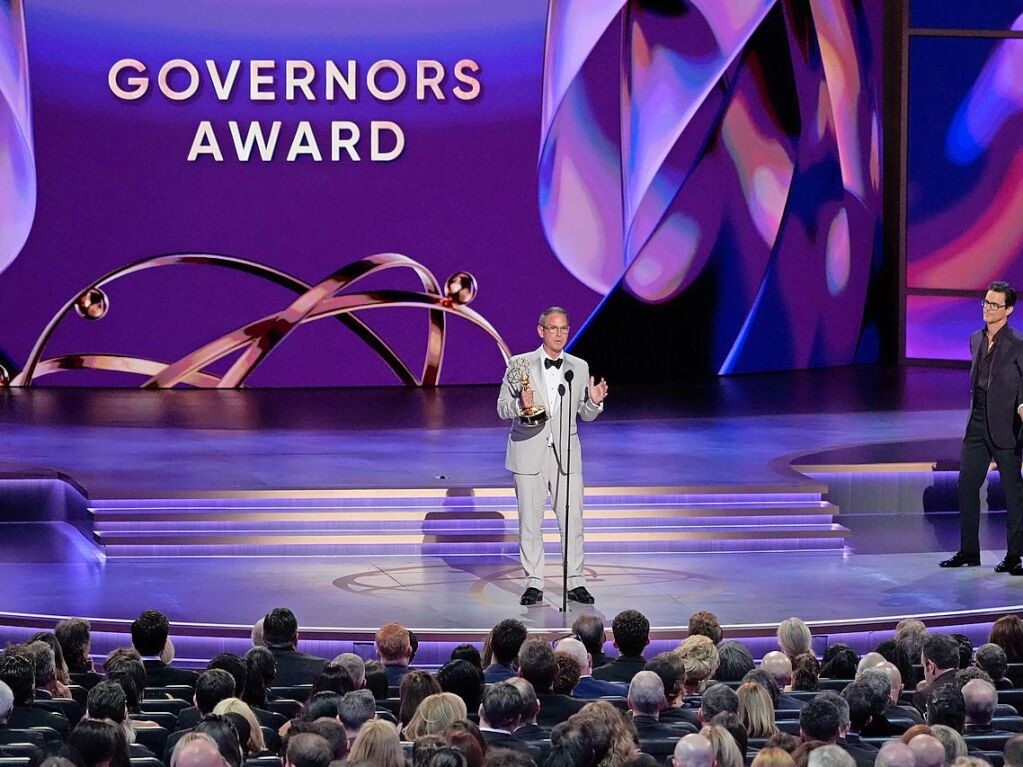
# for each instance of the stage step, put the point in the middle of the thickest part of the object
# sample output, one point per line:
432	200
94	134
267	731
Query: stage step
479	523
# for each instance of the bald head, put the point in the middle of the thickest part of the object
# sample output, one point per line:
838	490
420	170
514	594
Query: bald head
779	666
895	753
197	752
576	650
869	661
981	698
646	693
6	702
894	676
693	751
927	751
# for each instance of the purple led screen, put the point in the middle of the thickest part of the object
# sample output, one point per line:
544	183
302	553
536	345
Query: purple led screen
731	161
956	14
939	327
965	177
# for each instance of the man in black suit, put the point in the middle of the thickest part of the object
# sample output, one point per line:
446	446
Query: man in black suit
946	706
394	650
590	630
18	672
646	701
280	630
528	730
505	640
631	631
996	379
587	687
537	665
716	699
878	688
667	667
940	658
820	719
896	712
500	712
19	736
213	686
149	636
980	698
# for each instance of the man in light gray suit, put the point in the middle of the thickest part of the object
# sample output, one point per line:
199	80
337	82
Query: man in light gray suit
538	456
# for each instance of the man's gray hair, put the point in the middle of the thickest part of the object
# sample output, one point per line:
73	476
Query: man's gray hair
840	703
980	697
548	312
646	693
258	640
895	753
830	756
355	667
880	686
356	708
718	698
6	702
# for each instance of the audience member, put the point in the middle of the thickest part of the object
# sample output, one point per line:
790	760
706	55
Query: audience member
895	710
830	756
965	649
951	741
74	637
572	746
940	657
669	668
911	635
415	687
992	659
500	715
149	634
895	653
805	673
60	670
464	679
587	687
255	743
260	671
735	728
376	679
726	750
894	753
840	662
945	706
100	744
307	749
1013	751
693	751
794	638
705	624
619	729
18	673
280	632
435	715
211	687
773	757
354	710
878	689
927	750
537	666
394	650
566	674
756	711
468	652
378	744
354	666
196	750
631	631
717	699
645	701
1007	633
505	640
466	744
699	658
528	729
734	661
589	628
780	700
779	666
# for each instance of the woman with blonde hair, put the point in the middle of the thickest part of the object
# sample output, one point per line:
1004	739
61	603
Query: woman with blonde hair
726	750
619	728
773	757
698	657
435	715
756	710
794	638
256	744
377	744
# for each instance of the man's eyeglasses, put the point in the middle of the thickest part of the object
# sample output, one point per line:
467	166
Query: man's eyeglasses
984	304
557	329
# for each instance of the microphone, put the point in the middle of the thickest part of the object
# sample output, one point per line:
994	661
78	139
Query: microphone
569	375
561	389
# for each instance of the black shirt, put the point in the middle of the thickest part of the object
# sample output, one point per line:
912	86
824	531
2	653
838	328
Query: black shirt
983	382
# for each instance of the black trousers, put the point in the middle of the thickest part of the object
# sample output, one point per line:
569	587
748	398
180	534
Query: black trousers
978	450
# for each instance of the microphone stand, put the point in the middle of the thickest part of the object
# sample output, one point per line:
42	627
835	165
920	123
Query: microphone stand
569	375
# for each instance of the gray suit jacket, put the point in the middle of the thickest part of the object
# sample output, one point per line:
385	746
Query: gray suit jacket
527	444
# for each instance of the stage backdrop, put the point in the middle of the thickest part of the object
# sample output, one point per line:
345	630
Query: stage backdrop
365	192
964	186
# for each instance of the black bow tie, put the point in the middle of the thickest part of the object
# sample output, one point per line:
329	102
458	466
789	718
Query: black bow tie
549	363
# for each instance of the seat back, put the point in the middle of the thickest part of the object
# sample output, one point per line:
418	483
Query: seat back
166	705
153	738
299	692
179	691
168	721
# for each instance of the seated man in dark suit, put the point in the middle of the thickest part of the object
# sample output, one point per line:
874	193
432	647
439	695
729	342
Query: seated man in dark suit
668	667
107	701
940	658
1013	752
992	660
946	706
537	666
18	673
981	698
646	701
716	699
734	661
394	649
588	687
506	639
879	690
280	631
6	734
896	711
861	703
500	713
631	631
779	666
212	687
149	634
528	730
820	720
589	628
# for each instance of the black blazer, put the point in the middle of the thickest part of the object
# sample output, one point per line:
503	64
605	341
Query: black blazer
922	695
1005	393
621	669
555	708
504	740
295	668
159	674
649	728
531	733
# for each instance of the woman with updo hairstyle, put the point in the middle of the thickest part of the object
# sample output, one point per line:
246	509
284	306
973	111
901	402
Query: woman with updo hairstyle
415	686
435	715
698	656
805	673
840	662
378	744
794	638
756	710
100	744
1007	633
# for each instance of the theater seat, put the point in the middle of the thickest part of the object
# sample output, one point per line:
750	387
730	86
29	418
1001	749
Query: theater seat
14	761
167	705
299	692
286	707
987	742
153	738
179	691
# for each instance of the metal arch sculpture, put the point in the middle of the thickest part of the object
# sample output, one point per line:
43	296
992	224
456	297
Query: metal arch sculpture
258	338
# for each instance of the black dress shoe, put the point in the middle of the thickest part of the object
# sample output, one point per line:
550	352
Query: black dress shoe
1016	569
581	595
530	597
1007	565
960	560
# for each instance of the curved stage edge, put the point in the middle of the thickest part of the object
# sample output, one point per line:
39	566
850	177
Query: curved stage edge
824	494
